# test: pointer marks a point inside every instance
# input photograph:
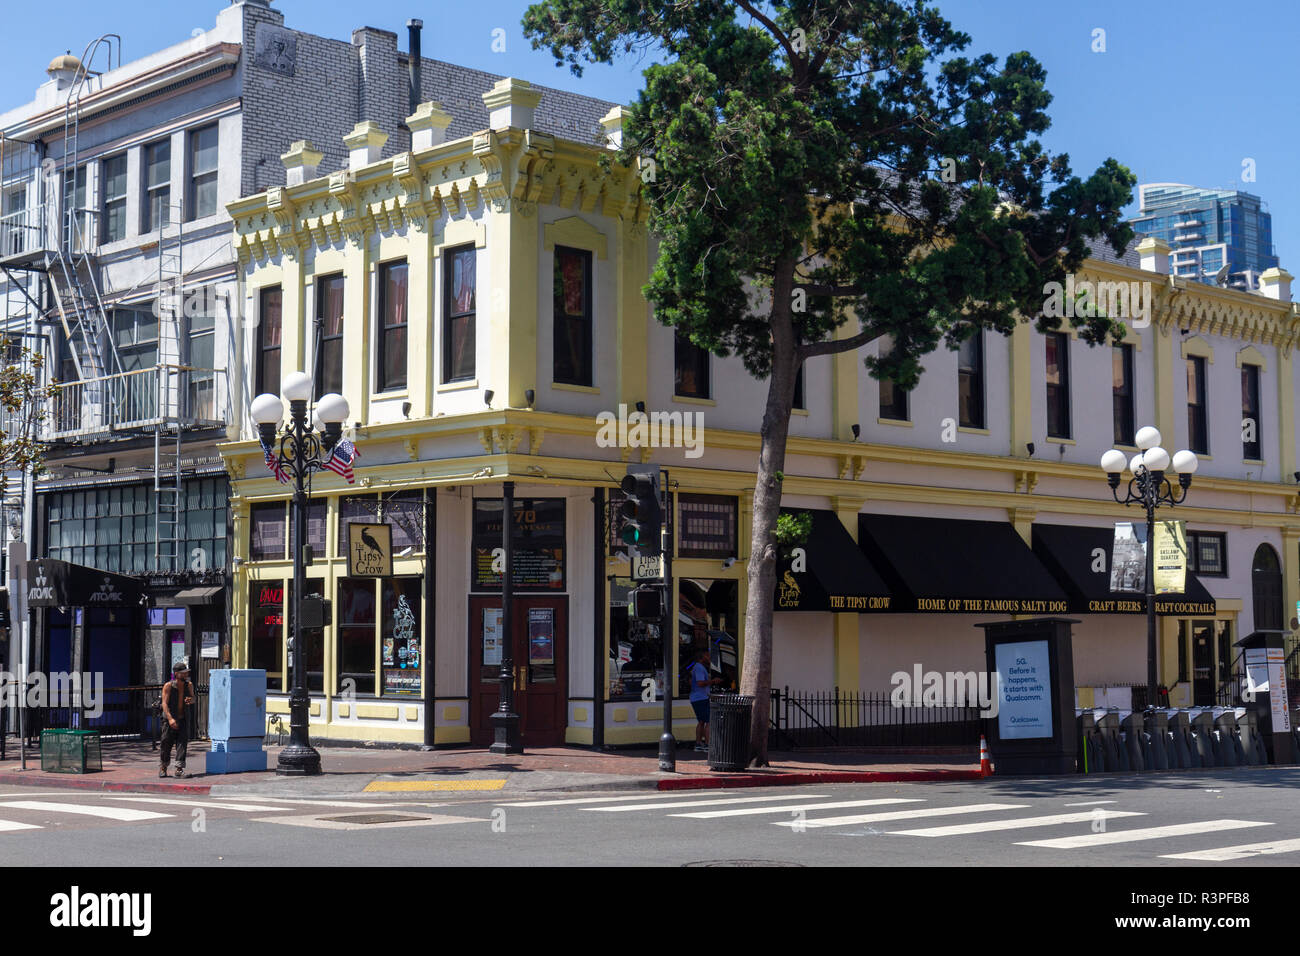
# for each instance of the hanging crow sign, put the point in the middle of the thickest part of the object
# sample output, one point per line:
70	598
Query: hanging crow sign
370	550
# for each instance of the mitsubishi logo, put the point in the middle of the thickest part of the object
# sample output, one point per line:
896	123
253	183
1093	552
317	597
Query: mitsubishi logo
106	594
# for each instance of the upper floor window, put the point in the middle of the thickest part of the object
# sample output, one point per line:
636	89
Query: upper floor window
1197	431
572	286
1208	551
893	399
800	400
392	331
329	335
113	215
1058	384
1121	365
76	216
270	328
157	186
691	368
458	282
970	381
136	334
1251	442
13	220
203	173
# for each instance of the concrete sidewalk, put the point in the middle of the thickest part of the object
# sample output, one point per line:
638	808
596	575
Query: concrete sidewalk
133	767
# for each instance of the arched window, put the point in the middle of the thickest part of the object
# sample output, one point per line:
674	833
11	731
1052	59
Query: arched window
1266	574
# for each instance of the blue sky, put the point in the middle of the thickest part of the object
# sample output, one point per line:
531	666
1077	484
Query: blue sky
1183	92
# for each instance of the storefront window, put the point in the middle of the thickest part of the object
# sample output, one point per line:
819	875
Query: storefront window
269	523
362	509
266	630
707	621
636	650
356	635
400	636
405	512
538	542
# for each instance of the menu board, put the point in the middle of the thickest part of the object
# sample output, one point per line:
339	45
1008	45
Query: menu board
537	540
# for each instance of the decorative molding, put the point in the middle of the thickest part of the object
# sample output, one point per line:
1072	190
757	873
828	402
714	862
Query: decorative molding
576	232
412	447
535	438
1252	356
1199	347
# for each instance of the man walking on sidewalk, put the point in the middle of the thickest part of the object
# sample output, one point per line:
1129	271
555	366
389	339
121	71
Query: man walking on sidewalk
177	698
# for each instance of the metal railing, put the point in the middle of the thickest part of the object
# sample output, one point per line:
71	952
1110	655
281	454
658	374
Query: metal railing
20	233
850	719
138	400
128	713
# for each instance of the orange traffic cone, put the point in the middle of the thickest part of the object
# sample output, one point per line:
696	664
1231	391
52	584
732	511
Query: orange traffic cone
986	769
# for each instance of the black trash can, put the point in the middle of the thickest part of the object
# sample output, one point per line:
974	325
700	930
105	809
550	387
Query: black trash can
729	717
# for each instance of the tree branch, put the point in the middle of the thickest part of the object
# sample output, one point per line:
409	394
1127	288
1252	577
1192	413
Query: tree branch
837	346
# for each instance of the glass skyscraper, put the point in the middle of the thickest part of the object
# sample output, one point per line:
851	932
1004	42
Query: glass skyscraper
1207	230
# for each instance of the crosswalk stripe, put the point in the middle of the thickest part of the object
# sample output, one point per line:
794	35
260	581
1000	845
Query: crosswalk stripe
902	815
1020	822
1149	833
750	811
171	801
108	813
568	801
1228	853
6	825
703	803
1090	803
308	802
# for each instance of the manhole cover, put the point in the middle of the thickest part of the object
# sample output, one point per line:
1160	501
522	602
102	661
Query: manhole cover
374	818
742	863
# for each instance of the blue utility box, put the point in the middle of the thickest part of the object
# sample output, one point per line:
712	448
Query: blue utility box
236	720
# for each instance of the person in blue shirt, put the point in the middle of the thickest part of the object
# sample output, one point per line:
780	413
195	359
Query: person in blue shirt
701	682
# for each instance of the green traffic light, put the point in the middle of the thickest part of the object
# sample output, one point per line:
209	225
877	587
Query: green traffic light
631	533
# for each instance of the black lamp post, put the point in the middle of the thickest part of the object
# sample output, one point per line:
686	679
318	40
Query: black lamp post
1149	488
302	450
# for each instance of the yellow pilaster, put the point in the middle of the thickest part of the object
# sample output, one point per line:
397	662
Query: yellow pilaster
357	276
239	514
422	321
1290	575
1286	414
512	303
845	370
1023	521
294	324
1022	398
633	312
847	670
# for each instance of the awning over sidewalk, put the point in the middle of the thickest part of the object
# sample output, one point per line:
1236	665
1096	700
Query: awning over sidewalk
191	596
837	576
957	566
54	583
1071	554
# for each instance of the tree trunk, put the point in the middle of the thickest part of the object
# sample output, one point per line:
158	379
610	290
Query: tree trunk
756	673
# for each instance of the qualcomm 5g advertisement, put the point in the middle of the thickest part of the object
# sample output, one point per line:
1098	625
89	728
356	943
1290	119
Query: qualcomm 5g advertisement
1024	683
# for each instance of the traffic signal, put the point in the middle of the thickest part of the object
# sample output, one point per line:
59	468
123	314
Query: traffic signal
648	603
640	512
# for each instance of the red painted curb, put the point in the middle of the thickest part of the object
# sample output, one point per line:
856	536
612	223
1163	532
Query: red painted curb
44	780
816	776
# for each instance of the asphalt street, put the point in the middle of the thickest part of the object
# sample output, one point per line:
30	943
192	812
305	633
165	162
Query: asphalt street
1235	818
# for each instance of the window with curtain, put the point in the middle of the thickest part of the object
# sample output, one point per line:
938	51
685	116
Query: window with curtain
1197	431
329	333
392	331
459	313
571	360
203	173
1058	384
157	186
270	328
691	368
114	199
970	381
1251	440
893	399
1121	363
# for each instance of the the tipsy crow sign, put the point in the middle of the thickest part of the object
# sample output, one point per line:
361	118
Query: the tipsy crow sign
53	583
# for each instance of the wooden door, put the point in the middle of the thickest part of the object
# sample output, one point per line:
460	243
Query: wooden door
539	645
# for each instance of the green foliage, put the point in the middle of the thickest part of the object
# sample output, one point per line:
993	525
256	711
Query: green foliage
22	409
843	156
792	528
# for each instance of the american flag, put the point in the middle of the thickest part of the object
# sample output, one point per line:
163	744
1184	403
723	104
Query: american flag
273	463
341	459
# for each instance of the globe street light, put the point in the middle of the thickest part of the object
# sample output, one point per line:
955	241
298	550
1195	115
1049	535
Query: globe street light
302	450
1149	487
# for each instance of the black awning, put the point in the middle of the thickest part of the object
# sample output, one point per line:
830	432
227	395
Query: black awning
958	566
836	578
1080	559
191	596
54	583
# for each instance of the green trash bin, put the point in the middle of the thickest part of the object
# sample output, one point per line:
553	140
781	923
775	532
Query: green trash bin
71	751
